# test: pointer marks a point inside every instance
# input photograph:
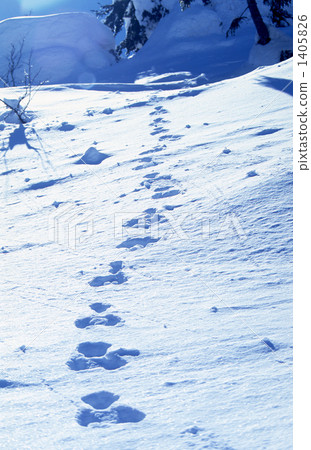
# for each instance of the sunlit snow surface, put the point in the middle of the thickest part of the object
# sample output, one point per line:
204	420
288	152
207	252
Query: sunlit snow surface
146	265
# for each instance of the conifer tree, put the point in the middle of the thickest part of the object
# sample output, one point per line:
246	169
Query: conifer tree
122	15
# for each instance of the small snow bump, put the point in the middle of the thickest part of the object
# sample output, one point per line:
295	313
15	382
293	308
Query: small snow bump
107	111
65	126
192	430
92	156
252	173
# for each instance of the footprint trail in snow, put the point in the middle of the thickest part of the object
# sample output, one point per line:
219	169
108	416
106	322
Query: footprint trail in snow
91	355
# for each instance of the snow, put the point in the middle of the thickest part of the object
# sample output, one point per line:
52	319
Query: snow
195	41
279	41
194	24
147	251
61	48
186	333
15	8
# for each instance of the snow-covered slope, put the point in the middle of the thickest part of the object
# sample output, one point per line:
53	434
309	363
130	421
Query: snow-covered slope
147	261
59	48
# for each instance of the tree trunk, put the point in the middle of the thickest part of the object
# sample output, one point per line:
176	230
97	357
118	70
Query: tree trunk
260	25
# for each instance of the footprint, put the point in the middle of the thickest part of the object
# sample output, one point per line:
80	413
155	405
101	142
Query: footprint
163	177
119	414
151	175
116	266
150	211
147	183
90	112
125	352
159	130
146	162
99	307
78	363
87	416
162	189
91	349
156	149
110	361
193	430
136	243
158	110
109	320
115	278
100	400
127	414
166	194
157	121
65	126
146	165
171	137
136	223
267	131
147	220
171	207
144	159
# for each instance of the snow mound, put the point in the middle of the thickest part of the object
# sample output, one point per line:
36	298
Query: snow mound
61	48
92	156
266	55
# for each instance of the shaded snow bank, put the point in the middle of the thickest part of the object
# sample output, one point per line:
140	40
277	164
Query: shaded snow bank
63	48
76	47
195	41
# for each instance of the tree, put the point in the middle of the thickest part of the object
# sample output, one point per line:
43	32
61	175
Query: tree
278	17
123	14
279	14
260	25
17	65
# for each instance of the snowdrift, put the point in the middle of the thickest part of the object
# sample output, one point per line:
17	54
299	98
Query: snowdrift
61	48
